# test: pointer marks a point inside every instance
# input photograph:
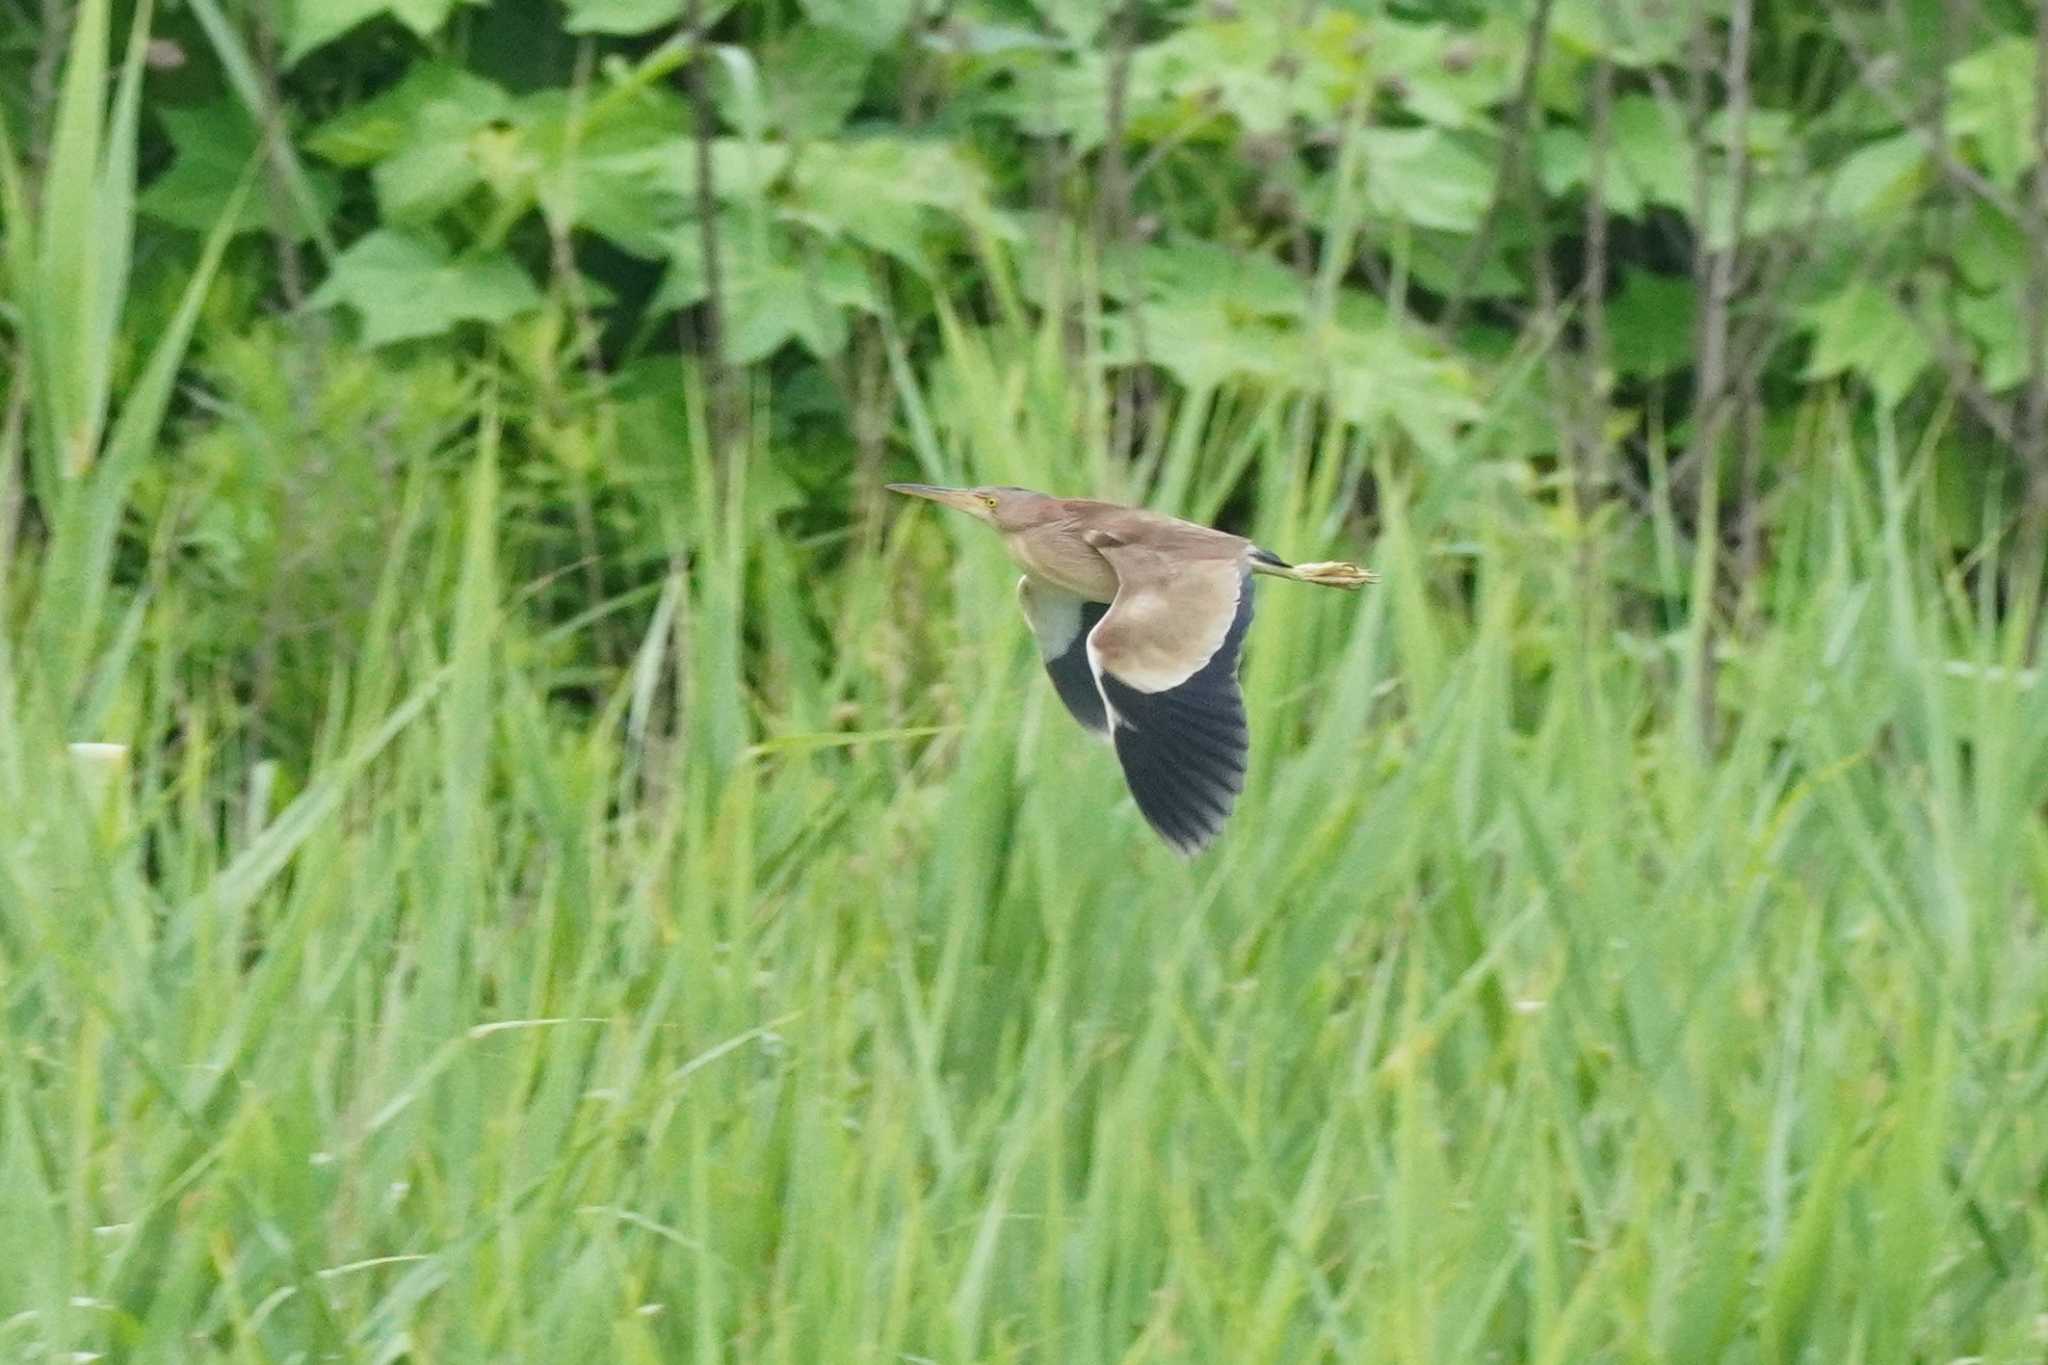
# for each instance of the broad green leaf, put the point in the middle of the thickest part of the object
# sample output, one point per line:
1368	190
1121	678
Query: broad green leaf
1766	132
431	175
1370	370
1078	21
1426	177
1189	270
1996	321
441	160
1651	146
1879	180
1632	33
432	93
1862	330
1650	160
420	138
874	24
812	78
773	287
1048	97
1991	106
1770	205
405	284
1564	162
614	167
214	145
312	23
1203	344
1449	76
629	16
1650	321
1381	372
883	191
619	167
983	39
1990	249
1264	68
1441	261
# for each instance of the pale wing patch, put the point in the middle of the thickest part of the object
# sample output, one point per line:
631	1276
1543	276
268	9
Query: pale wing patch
1055	616
1165	658
1168	619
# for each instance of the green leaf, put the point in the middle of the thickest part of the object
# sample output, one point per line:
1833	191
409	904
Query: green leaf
1880	179
874	24
1440	261
1766	132
1996	322
432	93
1381	372
1050	98
619	167
627	16
1263	68
312	23
1564	162
404	284
1451	77
1371	370
1203	344
813	78
1862	330
884	191
1991	106
773	288
420	138
214	144
1426	177
1078	21
1632	33
1189	269
615	168
1650	319
1649	161
1990	249
1651	148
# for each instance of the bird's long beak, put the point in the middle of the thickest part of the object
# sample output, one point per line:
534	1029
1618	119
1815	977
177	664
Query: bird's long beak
961	499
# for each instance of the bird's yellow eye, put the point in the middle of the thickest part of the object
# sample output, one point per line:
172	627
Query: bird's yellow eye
988	502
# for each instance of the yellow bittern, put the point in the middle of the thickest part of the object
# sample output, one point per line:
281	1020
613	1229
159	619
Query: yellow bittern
1140	618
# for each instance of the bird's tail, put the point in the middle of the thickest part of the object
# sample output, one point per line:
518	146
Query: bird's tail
1326	573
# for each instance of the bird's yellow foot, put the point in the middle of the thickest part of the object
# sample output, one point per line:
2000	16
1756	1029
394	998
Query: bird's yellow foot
1334	574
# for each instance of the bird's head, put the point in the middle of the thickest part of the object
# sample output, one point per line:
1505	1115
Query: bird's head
1003	507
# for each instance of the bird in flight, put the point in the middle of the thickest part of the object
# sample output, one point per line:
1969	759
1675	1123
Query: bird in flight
1140	619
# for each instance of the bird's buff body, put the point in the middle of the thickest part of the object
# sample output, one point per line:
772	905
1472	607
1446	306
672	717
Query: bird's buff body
1140	619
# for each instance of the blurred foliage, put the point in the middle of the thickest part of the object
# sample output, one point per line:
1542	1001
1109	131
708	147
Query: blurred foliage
1347	205
596	887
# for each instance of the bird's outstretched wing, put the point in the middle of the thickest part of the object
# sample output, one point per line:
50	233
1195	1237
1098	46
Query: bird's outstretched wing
1061	621
1165	656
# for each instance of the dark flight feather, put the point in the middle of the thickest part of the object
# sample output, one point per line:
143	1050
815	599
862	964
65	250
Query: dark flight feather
1183	750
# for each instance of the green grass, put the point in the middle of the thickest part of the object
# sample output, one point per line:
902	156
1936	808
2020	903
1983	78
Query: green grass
840	1007
808	990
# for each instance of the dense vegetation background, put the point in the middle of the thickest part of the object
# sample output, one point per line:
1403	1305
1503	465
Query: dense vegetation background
586	880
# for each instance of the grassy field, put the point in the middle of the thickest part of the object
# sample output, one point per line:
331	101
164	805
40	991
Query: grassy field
1573	984
840	1006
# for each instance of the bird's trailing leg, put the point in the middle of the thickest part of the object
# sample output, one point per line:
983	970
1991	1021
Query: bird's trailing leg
1329	573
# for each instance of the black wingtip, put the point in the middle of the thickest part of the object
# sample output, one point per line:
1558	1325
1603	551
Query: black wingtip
1186	793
